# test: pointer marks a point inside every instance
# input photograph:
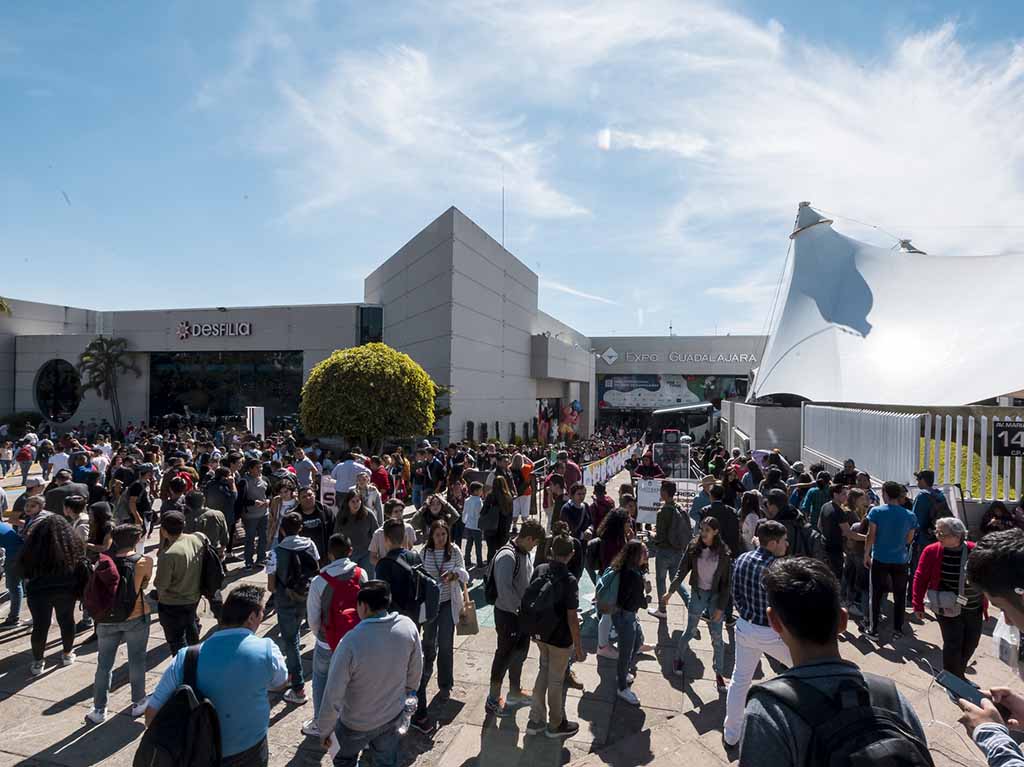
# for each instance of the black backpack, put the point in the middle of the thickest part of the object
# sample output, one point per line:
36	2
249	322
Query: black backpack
490	587
211	577
426	592
302	569
186	729
860	726
538	613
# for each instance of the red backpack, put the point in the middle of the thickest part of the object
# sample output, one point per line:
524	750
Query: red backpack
338	605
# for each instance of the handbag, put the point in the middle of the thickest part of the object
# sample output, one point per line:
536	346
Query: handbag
947	603
468	625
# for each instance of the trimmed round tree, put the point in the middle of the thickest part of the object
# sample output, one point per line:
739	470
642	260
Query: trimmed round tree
367	394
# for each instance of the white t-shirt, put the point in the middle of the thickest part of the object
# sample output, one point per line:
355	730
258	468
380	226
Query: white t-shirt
58	461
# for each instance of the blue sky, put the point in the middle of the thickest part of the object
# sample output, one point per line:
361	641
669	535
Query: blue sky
653	153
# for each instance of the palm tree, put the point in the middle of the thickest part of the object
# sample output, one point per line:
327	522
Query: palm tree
101	364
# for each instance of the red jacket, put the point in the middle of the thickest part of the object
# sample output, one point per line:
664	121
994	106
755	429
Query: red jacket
929	572
380	479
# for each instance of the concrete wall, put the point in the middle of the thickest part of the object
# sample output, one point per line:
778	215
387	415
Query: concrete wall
34	351
31	318
766	427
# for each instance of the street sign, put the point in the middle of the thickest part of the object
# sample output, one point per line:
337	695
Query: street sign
1008	438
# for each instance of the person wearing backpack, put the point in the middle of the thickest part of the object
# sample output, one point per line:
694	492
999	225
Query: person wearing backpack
929	505
823	710
331	611
127	619
442	560
236	669
754	635
708	562
672	533
291	565
549	612
508	577
396	569
630	598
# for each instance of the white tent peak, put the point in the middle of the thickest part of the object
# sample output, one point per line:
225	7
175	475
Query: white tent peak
859	323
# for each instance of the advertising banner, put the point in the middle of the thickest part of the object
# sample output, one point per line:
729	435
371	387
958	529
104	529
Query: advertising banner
327	491
648	497
607	467
652	391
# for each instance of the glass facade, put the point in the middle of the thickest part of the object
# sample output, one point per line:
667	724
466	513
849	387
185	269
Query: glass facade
371	324
213	385
58	390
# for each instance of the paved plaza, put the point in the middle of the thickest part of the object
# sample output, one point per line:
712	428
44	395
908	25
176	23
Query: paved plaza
679	721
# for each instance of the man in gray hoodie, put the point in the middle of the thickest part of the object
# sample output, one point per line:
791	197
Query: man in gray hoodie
292	565
339	573
511	570
375	667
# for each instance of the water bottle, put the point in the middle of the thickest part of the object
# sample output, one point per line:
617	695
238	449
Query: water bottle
407	711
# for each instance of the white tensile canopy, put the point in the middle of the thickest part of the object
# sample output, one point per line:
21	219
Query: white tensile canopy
860	323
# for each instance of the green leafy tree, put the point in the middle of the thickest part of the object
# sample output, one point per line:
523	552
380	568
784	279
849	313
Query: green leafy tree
5	308
367	394
102	363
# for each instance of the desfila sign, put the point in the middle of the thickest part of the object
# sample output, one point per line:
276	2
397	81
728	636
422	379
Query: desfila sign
187	330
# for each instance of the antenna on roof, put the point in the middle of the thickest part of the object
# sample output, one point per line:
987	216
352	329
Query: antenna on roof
670	328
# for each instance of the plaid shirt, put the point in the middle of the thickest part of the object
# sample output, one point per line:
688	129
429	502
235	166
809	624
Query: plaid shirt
748	592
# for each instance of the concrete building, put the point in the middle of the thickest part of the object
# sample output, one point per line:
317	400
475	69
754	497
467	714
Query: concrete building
452	298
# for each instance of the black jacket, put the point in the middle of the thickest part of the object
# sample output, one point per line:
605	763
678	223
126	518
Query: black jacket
400	581
729	526
632	594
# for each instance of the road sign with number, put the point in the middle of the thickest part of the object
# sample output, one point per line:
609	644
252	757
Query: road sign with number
1008	438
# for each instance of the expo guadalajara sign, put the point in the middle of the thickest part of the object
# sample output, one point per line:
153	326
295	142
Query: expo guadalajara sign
187	330
610	356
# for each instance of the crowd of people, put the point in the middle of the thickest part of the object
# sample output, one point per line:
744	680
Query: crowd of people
779	556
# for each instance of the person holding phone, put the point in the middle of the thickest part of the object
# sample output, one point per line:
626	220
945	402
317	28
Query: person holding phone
996	566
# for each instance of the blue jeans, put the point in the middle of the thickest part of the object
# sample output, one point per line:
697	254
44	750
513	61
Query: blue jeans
14	587
417	496
701	600
363	560
474	538
289	618
382	743
135	633
321	665
631	636
439	643
255	539
666	562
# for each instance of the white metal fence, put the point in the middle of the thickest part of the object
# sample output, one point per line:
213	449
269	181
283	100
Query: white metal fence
957	447
886	445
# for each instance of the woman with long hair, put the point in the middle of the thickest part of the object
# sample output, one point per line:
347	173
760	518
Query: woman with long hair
357	521
614	531
496	517
442	559
52	562
629	564
855	575
754	477
708	562
751	513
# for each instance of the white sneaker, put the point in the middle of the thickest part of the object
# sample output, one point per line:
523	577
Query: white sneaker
66	659
298	697
629	696
607	651
657	612
37	667
138	709
311	729
96	716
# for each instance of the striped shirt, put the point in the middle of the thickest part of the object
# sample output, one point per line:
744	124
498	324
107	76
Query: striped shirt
748	592
949	578
434	563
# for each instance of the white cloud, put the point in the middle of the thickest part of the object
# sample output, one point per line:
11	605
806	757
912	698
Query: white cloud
558	286
682	144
